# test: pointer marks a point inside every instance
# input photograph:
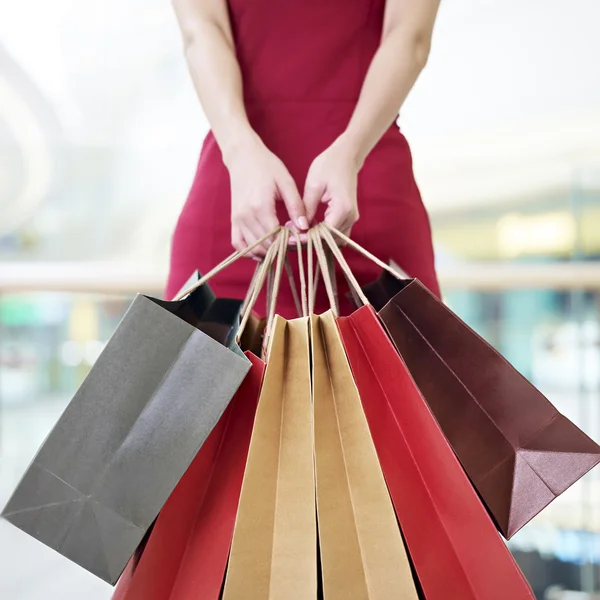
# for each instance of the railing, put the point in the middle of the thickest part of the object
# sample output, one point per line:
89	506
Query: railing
119	278
558	594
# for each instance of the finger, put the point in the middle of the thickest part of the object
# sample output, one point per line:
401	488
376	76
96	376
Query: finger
346	229
313	195
339	216
294	241
264	224
293	202
237	239
258	229
249	238
335	217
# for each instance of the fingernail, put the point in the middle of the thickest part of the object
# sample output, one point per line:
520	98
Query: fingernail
293	241
302	223
256	258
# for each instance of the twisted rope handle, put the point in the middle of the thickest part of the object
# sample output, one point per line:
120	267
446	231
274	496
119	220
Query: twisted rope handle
281	251
326	235
256	286
316	238
252	285
294	289
399	274
303	292
311	278
227	262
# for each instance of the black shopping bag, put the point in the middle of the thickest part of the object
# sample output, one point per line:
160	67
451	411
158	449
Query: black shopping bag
132	429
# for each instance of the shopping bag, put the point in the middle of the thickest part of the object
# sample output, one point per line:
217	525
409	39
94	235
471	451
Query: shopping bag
518	450
253	334
274	548
131	430
456	550
186	554
361	548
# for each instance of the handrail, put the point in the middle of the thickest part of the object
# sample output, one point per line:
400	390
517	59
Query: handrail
129	278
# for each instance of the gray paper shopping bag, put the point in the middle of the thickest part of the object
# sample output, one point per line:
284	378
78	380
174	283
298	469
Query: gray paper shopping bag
132	429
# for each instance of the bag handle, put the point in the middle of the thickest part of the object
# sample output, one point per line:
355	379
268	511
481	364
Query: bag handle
258	282
302	275
316	239
252	285
284	237
261	274
227	262
293	288
301	300
312	283
399	274
324	232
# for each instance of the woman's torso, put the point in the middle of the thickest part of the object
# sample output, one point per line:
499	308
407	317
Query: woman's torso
303	64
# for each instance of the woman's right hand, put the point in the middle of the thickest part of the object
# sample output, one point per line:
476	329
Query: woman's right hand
258	180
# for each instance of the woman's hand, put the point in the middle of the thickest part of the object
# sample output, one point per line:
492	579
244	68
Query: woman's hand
332	179
258	179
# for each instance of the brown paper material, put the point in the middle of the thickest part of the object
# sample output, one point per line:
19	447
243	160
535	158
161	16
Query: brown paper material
362	552
252	337
274	549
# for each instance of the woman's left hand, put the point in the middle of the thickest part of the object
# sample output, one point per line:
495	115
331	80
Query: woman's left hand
332	179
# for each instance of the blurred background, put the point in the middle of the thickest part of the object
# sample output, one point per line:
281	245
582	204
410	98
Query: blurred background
100	132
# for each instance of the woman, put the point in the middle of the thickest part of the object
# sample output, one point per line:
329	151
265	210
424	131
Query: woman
302	98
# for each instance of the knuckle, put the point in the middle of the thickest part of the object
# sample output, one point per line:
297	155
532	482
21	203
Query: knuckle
237	217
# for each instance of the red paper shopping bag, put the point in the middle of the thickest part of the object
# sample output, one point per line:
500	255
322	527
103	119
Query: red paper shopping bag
186	554
457	552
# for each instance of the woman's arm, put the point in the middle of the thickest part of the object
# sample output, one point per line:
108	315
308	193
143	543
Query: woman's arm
401	56
257	175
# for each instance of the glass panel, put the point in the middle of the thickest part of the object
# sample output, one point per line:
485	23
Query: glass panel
553	338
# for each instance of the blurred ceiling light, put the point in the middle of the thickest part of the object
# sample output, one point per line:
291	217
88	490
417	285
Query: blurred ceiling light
30	139
549	233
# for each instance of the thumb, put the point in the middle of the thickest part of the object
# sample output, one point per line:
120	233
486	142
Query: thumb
334	216
293	203
313	194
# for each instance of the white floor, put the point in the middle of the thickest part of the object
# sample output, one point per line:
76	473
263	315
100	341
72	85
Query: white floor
28	569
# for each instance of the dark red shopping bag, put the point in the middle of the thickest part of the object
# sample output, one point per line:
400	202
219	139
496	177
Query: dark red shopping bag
519	452
457	552
186	554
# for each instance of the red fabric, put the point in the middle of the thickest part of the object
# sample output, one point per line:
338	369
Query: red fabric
457	552
303	64
186	554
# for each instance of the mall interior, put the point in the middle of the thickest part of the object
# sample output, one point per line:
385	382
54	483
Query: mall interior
99	137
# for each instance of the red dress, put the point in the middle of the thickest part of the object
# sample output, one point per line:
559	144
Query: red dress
303	63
